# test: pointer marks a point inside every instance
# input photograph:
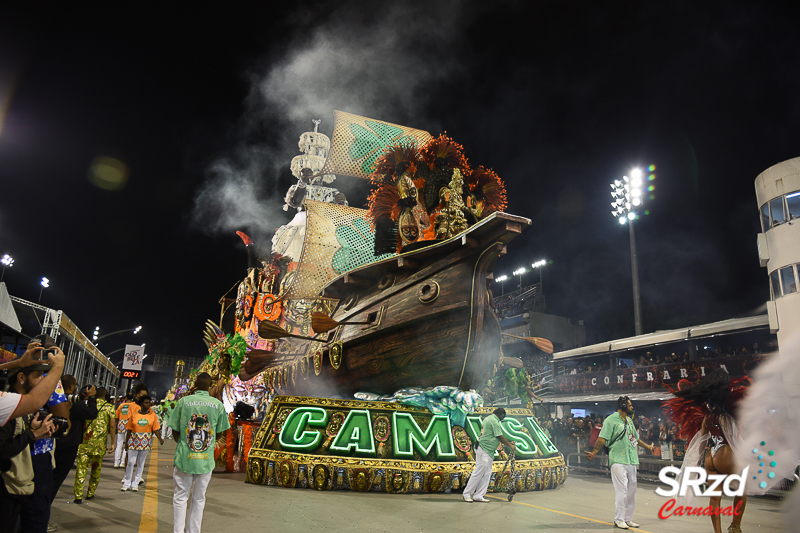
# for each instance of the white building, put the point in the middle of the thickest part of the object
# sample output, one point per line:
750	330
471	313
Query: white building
778	195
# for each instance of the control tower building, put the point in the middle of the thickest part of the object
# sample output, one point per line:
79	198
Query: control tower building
778	195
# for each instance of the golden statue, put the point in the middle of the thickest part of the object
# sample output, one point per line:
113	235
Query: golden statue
450	219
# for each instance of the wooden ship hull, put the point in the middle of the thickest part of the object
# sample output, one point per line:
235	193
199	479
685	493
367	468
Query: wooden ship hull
426	321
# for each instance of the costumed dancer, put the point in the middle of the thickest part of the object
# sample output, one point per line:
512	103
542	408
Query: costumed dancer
705	414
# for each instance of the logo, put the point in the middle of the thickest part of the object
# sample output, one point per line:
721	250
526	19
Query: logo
142	422
198	434
124	409
717	486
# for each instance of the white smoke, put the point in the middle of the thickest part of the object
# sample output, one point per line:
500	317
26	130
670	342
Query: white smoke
372	61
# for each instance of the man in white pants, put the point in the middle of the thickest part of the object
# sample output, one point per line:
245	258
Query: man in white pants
196	421
491	437
622	438
124	411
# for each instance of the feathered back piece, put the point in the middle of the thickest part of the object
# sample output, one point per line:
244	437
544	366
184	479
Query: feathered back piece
395	160
487	187
716	393
442	151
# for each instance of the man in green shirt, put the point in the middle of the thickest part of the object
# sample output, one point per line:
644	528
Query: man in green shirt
620	434
491	437
196	421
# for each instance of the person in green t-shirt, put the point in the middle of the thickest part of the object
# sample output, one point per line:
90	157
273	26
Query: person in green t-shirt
491	437
196	421
620	434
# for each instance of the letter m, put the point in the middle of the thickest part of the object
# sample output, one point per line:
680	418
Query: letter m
408	437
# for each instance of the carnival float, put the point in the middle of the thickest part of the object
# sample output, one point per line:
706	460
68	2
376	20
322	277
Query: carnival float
374	326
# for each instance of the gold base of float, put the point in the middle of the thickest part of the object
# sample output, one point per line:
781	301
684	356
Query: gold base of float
324	466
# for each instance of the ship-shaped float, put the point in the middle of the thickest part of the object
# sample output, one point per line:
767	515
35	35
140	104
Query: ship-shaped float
388	298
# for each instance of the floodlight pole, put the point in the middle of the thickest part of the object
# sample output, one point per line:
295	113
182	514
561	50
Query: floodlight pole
637	303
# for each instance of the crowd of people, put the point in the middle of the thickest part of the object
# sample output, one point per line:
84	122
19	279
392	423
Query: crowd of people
568	432
48	425
650	359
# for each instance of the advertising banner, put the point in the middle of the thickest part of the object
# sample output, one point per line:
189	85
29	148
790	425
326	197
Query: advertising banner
653	377
133	357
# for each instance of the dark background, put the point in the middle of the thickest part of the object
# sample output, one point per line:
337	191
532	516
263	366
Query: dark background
205	105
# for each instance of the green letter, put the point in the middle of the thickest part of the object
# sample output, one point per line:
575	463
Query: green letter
356	433
541	437
293	435
407	436
513	430
474	429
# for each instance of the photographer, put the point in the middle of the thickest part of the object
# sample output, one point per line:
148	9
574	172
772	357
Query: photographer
13	405
15	462
35	511
83	407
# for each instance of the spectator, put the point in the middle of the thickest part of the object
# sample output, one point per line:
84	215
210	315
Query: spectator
13	405
16	484
35	509
82	407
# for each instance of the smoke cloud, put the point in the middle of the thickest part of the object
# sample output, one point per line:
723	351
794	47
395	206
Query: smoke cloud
360	58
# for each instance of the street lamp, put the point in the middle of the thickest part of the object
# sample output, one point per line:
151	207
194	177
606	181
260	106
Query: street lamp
95	338
45	283
520	272
502	280
7	261
627	196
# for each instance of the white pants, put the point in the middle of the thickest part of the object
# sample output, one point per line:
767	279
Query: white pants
119	450
139	458
478	482
188	486
624	479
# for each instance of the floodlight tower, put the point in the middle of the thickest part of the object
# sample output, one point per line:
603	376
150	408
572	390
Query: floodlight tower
44	283
627	195
7	261
520	272
502	281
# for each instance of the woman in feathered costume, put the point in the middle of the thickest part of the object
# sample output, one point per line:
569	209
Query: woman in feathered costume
706	414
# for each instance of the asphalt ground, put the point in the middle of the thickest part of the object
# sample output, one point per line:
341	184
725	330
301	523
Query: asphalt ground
583	503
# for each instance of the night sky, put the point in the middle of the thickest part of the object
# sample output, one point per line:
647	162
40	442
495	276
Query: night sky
205	105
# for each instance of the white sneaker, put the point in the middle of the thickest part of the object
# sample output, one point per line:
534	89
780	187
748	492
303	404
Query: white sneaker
631	523
468	499
124	489
135	489
482	500
620	524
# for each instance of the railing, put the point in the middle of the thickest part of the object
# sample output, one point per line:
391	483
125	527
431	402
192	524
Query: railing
515	302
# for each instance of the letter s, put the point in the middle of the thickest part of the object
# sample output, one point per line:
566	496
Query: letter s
667	480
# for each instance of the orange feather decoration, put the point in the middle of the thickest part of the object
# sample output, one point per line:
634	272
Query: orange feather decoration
487	186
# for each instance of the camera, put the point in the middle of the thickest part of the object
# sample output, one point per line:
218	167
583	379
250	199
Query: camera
60	424
47	342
